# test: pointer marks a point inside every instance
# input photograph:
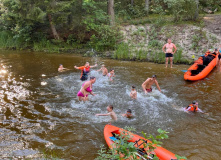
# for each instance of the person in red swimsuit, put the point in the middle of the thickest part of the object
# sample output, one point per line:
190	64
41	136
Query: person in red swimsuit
148	83
85	70
86	89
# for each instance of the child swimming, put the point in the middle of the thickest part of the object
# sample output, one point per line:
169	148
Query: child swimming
110	113
133	93
128	114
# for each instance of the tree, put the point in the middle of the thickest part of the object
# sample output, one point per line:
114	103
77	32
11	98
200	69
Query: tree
111	12
147	5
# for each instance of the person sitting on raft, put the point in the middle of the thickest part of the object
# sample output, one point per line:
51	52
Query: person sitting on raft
219	59
148	84
208	57
128	114
111	75
86	89
104	70
85	70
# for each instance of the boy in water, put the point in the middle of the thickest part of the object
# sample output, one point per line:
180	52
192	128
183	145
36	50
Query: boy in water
111	74
133	93
61	68
128	114
104	70
110	113
147	85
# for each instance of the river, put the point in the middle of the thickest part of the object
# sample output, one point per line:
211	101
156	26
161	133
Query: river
40	113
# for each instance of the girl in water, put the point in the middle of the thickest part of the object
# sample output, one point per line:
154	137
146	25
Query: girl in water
86	89
85	70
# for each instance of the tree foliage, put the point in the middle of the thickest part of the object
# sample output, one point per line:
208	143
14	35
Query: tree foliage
85	22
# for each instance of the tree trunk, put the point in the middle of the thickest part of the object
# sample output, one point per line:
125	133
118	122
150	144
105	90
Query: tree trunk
111	12
132	2
53	29
147	5
196	16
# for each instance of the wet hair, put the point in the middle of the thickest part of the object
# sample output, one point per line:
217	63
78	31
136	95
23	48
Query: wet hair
194	102
111	69
92	77
60	64
154	76
133	87
111	107
129	110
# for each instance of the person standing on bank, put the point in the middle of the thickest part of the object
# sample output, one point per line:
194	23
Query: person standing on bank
170	50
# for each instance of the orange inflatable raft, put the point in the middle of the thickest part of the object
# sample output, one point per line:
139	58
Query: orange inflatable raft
110	133
199	70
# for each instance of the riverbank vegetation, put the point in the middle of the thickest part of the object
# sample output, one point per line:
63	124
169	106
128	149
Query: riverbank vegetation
70	25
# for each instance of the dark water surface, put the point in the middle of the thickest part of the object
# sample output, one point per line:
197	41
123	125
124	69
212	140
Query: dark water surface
39	110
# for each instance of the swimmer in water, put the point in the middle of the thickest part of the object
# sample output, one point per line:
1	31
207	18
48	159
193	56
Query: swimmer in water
110	113
86	89
111	75
85	70
104	70
128	114
133	93
194	108
61	68
148	84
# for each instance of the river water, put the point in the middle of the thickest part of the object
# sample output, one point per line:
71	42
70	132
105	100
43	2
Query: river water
40	112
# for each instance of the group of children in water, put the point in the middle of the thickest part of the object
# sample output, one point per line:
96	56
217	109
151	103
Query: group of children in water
86	89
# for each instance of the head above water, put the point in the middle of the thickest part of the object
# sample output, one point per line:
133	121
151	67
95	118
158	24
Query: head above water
102	65
110	108
87	64
129	111
60	65
194	102
133	87
93	79
154	76
112	70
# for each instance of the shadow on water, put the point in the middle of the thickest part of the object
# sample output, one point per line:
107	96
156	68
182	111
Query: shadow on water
40	110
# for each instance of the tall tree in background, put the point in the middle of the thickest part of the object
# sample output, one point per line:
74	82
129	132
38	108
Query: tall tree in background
196	16
111	12
147	5
132	2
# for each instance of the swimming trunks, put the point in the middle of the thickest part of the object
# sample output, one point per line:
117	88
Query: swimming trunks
169	55
149	90
80	94
88	89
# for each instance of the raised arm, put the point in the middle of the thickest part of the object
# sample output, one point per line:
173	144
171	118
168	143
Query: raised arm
107	114
94	66
157	85
99	70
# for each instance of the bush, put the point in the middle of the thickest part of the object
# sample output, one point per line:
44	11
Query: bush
182	9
